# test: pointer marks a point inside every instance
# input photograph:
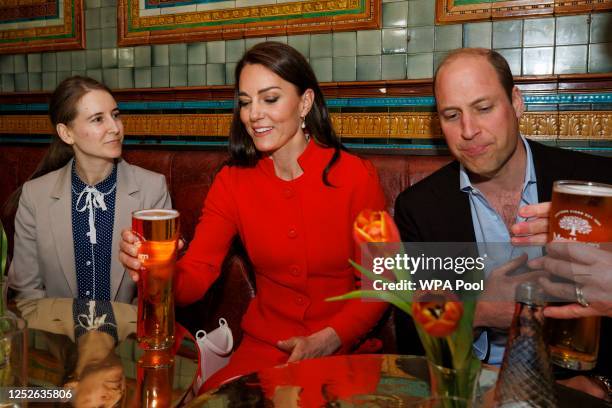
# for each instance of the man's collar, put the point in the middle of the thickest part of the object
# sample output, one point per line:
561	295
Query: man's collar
465	184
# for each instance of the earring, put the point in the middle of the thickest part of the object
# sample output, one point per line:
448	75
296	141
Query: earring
303	122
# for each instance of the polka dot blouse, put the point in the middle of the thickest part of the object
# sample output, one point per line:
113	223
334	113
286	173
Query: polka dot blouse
93	217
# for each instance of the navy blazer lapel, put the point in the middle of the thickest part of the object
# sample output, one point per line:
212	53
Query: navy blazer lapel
60	220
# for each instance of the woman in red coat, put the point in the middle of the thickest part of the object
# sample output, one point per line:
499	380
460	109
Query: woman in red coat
291	192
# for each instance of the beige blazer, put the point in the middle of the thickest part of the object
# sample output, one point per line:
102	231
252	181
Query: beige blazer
43	258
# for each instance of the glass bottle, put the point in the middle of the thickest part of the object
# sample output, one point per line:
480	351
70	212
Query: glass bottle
526	378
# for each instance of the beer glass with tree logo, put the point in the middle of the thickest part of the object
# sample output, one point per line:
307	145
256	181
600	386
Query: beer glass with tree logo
580	211
158	232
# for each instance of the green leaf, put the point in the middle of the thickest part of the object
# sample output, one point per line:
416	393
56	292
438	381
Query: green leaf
385	296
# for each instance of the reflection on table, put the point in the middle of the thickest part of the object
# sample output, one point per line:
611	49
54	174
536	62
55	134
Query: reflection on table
97	355
351	380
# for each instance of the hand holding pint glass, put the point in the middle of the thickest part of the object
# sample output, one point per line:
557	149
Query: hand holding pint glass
158	232
580	211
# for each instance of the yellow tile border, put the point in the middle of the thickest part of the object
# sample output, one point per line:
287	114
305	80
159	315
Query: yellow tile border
571	125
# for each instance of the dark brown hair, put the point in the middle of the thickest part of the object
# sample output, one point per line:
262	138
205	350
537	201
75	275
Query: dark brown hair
290	65
499	64
62	109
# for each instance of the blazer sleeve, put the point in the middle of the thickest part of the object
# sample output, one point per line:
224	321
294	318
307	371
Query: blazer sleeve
358	317
201	264
24	272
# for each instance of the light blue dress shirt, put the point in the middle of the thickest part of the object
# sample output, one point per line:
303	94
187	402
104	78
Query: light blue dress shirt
489	228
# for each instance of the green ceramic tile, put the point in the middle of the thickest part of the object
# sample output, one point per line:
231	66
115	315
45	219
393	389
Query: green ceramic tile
421	13
196	75
35	62
49	62
344	44
234	50
438	57
478	34
344	69
395	14
196	53
126	77
601	27
538	61
514	57
79	72
109	39
322	68
369	42
278	38
448	37
8	83
178	54
215	74
21	63
109	58
34	81
160	55
92	4
369	68
110	77
125	57
178	75
7	64
420	65
94	74
394	40
572	30
215	52
570	59
108	17
142	56
92	18
108	3
394	66
142	77
507	34
300	43
93	39
49	81
21	82
249	42
160	77
64	61
420	39
539	32
61	75
321	45
600	58
230	67
94	59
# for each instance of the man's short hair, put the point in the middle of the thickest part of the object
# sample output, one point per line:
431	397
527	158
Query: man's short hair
499	64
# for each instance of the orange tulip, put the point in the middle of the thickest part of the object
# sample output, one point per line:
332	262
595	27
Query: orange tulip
438	316
375	226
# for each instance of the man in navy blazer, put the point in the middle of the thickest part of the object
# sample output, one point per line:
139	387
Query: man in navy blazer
497	188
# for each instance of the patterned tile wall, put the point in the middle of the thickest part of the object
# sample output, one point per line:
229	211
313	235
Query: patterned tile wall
409	46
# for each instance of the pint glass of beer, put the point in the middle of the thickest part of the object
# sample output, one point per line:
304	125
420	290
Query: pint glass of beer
158	231
580	211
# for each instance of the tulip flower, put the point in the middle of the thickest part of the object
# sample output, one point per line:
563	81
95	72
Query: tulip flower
375	226
438	315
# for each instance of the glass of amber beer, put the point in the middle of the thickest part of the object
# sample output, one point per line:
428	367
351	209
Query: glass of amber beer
158	232
580	211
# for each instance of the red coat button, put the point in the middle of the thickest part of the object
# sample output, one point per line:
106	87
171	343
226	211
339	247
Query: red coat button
299	300
288	193
292	233
294	270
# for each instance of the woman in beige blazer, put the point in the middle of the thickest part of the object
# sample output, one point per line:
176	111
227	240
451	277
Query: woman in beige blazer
71	212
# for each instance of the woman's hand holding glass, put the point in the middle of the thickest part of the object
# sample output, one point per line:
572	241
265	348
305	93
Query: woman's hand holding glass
128	253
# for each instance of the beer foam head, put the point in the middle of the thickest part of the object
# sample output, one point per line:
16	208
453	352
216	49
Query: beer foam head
156	214
586	189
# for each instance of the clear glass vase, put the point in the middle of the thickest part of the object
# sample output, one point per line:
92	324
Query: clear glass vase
450	382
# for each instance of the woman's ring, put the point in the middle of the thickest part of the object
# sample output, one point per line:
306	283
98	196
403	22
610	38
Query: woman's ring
580	297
